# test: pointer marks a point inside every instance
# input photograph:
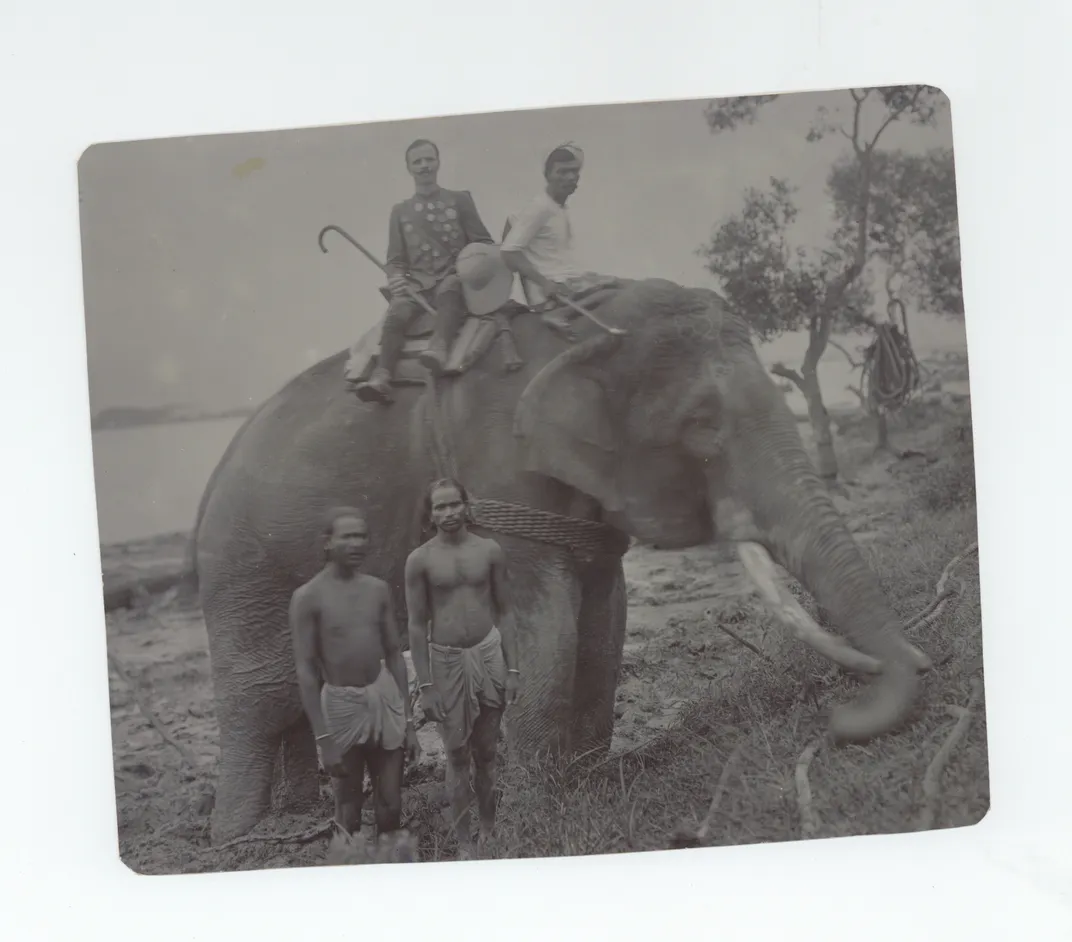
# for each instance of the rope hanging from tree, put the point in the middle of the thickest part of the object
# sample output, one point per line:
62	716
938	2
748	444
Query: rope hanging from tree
890	369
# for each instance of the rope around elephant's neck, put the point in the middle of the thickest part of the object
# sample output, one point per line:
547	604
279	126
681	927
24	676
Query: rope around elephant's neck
587	538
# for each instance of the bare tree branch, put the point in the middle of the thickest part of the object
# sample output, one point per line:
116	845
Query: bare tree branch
809	820
848	356
856	112
894	115
780	369
153	720
302	837
933	776
943	593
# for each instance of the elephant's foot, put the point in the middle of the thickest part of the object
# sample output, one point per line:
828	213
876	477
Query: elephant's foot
592	743
243	785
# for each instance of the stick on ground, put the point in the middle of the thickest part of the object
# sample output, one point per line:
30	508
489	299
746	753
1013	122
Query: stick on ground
748	644
942	591
933	776
720	790
149	715
685	838
809	820
302	837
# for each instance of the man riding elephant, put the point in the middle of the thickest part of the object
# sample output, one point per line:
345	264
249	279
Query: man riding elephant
425	235
538	243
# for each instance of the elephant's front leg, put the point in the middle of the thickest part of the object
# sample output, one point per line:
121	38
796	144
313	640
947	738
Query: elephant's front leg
600	637
546	600
296	785
248	754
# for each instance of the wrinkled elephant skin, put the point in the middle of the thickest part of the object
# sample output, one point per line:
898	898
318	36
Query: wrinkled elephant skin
651	432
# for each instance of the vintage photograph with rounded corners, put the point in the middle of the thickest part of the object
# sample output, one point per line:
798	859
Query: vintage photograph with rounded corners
532	484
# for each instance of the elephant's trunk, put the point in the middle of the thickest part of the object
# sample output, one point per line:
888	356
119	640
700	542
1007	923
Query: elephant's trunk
790	513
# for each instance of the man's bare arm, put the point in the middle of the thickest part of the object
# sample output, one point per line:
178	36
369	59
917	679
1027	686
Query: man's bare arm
417	606
392	650
517	261
303	633
503	604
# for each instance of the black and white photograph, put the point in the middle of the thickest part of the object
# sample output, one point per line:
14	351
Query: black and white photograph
542	483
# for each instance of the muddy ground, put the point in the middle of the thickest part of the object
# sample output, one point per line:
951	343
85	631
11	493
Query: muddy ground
674	654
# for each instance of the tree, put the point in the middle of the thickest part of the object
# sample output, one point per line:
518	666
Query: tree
914	229
914	236
778	288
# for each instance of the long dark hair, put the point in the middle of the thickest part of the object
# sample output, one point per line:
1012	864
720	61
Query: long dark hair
426	501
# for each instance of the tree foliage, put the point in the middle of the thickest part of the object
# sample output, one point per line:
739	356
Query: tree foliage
914	229
778	287
886	205
773	284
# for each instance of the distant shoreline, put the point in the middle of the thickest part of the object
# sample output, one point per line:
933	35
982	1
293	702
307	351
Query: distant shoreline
125	417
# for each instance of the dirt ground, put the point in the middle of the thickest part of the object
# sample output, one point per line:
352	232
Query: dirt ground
674	655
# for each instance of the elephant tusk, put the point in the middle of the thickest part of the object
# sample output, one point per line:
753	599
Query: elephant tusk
788	611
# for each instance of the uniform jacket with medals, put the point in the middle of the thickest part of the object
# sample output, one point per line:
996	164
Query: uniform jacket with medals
427	233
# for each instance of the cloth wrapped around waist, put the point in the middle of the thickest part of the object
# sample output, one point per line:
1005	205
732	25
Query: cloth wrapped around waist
466	679
374	715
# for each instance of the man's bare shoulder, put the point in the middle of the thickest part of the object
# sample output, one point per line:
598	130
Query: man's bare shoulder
417	556
374	584
489	546
307	596
308	589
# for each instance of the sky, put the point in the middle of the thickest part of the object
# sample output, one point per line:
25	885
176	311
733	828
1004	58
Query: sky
204	284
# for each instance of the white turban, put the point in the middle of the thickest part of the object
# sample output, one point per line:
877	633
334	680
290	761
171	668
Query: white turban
569	146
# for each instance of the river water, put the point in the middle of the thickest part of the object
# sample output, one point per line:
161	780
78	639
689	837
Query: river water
150	478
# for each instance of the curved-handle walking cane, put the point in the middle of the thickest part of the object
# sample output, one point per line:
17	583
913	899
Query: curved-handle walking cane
583	311
510	355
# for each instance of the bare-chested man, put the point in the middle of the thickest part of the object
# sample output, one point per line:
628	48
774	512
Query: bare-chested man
464	646
352	677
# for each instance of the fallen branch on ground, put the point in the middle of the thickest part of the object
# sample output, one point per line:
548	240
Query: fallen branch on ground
302	837
809	820
932	778
748	644
942	592
149	715
684	838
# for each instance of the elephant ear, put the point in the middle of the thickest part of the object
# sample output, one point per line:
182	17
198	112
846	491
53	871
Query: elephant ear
564	424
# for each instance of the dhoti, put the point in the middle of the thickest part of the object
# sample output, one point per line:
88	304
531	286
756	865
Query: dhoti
467	679
374	715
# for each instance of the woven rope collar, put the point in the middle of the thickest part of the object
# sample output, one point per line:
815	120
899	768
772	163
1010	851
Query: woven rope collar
586	537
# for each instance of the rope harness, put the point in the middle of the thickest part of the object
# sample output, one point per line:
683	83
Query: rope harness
587	539
890	370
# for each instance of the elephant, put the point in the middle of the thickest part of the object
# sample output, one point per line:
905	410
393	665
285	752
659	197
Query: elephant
671	434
